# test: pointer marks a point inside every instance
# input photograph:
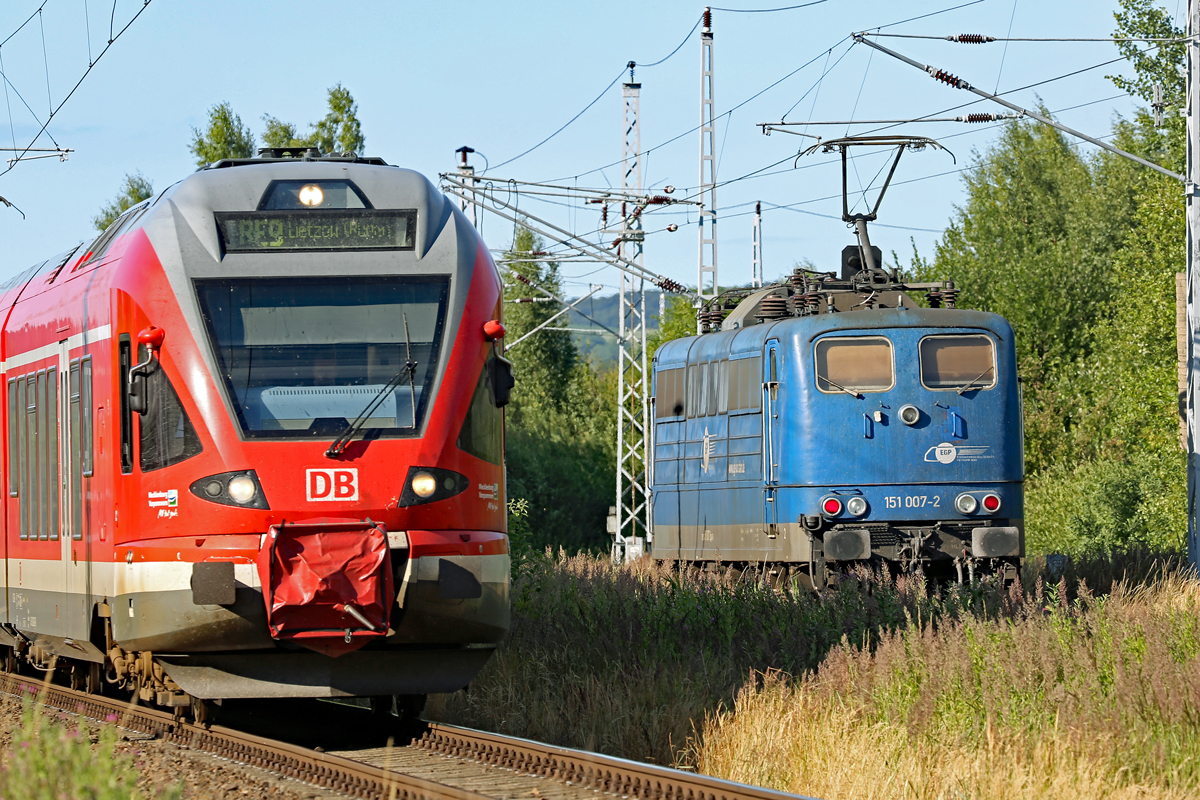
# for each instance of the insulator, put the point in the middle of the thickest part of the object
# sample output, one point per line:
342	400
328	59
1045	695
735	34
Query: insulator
668	285
659	200
707	18
947	78
971	38
979	117
773	305
934	297
522	278
798	280
949	294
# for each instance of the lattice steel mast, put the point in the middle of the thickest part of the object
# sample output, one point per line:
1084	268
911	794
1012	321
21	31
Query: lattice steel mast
1193	280
633	532
706	274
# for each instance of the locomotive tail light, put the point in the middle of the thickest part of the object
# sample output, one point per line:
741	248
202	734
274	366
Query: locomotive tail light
424	484
831	506
311	195
966	503
856	506
240	489
909	414
991	503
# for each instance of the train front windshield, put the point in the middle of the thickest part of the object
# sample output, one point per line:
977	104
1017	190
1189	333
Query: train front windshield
305	357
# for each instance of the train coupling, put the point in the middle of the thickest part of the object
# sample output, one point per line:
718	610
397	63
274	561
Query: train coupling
327	584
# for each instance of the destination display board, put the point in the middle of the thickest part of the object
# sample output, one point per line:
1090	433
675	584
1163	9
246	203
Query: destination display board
316	230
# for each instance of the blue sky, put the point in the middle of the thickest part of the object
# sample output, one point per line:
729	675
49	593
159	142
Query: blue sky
500	77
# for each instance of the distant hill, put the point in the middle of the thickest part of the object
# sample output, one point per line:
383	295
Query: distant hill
601	347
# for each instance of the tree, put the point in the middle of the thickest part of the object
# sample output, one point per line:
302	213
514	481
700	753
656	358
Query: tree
546	360
339	131
135	190
225	137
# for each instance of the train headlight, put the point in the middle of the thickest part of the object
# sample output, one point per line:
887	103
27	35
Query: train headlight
424	484
991	503
856	506
909	414
242	489
831	506
311	195
966	504
430	484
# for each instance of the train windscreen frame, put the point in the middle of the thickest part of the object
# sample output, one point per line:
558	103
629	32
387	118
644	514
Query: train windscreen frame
300	358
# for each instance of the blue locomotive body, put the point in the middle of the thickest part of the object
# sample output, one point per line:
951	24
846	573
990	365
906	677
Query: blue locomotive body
883	435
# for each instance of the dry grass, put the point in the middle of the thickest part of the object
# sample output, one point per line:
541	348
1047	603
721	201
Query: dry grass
880	688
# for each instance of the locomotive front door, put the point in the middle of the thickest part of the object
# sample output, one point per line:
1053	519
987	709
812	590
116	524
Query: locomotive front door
772	370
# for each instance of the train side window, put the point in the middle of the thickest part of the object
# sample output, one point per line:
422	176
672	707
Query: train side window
854	364
693	389
702	395
124	352
86	439
53	483
40	478
723	387
23	434
167	435
752	382
14	440
482	433
668	397
76	454
954	361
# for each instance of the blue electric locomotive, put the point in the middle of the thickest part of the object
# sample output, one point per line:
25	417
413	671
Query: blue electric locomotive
832	422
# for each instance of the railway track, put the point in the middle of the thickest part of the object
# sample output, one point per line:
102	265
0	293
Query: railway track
442	762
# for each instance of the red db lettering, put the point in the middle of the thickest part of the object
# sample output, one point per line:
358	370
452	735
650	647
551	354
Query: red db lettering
344	484
323	485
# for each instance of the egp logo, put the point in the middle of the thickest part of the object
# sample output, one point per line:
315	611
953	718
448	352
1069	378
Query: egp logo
944	453
331	484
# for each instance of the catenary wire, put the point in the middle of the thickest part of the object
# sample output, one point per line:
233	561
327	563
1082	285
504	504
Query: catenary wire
26	22
70	94
1004	55
770	10
564	127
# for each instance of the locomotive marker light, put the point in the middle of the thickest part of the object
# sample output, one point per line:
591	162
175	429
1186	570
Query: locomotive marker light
311	195
991	503
856	506
831	506
909	414
966	504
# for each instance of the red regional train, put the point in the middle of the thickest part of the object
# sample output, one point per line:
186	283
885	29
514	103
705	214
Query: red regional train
255	442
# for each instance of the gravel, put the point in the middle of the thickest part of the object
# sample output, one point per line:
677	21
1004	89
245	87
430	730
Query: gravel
163	765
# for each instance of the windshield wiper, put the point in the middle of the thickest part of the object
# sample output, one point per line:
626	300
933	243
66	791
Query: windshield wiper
850	392
971	383
408	371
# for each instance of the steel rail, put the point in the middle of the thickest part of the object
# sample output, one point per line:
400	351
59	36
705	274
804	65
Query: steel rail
603	773
300	763
340	773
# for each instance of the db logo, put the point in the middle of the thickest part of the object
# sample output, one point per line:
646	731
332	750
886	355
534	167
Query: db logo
331	484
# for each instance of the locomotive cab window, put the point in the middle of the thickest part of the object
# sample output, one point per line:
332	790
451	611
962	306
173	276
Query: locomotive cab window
669	394
954	362
855	364
167	436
